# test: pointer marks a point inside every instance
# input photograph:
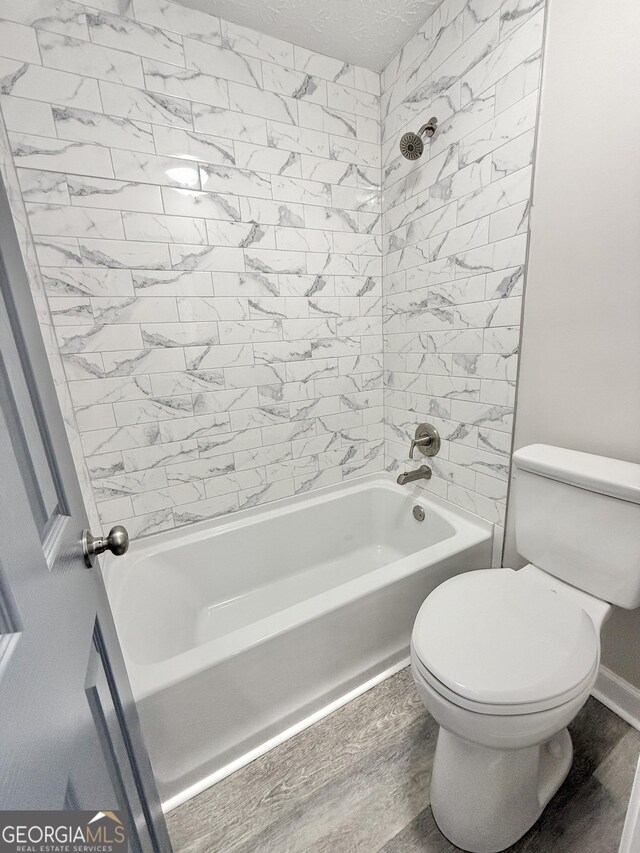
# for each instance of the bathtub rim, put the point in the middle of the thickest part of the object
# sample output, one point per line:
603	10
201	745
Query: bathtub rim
148	679
237	518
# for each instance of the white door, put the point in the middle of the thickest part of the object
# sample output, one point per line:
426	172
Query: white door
69	731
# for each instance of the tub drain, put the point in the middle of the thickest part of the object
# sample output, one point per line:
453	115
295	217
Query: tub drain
418	513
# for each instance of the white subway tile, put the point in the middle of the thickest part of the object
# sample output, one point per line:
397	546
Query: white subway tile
18	41
62	16
214	258
163	229
140	105
65	221
219	62
137	38
179	19
226	179
154	169
260	102
119	195
222	122
47	84
26	116
252	43
83	126
89	60
185	83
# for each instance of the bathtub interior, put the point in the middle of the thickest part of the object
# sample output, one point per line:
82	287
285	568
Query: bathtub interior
214	582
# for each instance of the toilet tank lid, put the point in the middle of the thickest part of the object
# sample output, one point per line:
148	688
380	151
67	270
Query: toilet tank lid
600	474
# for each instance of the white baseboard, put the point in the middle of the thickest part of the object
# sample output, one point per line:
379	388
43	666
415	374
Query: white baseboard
618	695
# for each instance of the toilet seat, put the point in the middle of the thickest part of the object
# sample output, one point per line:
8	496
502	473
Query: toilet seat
512	710
500	642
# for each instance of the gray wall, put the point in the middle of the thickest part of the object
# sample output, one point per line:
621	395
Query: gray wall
579	383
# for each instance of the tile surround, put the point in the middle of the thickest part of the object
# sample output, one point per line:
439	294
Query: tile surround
454	239
206	205
205	209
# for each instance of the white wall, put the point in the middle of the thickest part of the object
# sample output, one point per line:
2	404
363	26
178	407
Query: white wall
579	383
455	235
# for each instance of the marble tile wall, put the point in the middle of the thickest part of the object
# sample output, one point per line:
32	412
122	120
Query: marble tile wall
455	233
208	226
205	207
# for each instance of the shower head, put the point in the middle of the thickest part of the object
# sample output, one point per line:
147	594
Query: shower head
411	144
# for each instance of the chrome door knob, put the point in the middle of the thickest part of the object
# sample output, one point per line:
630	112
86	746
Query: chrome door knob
117	542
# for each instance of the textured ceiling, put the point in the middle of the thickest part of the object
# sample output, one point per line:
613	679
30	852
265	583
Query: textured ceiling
362	32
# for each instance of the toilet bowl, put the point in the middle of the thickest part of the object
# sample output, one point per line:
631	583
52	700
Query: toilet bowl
504	659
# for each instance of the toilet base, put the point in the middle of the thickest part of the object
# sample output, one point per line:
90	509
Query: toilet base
485	799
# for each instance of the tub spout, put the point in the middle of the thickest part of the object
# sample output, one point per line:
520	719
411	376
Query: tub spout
422	473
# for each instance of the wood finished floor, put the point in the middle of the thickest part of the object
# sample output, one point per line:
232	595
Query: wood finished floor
358	782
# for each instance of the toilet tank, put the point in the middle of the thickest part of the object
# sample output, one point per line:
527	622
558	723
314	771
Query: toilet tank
577	517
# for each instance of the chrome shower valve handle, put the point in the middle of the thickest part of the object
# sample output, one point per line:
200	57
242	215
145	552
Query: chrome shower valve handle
419	442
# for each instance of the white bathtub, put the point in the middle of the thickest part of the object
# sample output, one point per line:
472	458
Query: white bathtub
236	630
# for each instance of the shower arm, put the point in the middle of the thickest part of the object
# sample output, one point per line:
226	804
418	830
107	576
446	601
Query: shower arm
428	129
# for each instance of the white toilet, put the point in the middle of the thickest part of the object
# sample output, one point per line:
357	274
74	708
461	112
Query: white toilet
504	660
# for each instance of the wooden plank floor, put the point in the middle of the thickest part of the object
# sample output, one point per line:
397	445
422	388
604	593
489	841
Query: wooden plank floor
358	782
